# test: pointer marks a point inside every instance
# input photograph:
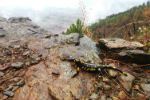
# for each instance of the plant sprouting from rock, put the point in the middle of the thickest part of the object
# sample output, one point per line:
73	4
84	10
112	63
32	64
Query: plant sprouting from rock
76	28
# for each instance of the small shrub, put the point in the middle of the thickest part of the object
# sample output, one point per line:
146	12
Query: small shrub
78	28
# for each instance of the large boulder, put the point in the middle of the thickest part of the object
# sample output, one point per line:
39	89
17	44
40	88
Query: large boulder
124	50
20	27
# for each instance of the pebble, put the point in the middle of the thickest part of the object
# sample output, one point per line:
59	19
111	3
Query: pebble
129	77
103	97
15	88
26	53
4	97
146	88
115	98
34	56
28	63
16	46
21	82
105	79
136	87
9	93
122	95
94	96
17	65
1	74
113	73
107	87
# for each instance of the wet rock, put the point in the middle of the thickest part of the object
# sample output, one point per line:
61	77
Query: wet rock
17	65
127	81
122	95
146	88
94	96
9	93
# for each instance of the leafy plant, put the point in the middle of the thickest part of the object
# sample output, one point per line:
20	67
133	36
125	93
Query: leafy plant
78	28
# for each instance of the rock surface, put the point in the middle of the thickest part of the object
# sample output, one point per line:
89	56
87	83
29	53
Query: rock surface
124	50
43	73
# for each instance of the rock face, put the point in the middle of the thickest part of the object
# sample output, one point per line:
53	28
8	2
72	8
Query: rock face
35	68
19	27
124	50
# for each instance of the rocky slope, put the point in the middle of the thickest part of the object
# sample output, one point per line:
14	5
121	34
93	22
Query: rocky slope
33	66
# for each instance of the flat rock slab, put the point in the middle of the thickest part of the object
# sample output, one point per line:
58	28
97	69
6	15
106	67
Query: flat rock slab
124	50
117	43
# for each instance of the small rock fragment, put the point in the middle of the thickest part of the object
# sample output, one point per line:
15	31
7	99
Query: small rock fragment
9	93
146	88
127	81
103	97
122	95
115	98
107	87
1	74
26	53
28	63
105	79
21	82
113	73
4	97
94	96
17	65
15	88
16	46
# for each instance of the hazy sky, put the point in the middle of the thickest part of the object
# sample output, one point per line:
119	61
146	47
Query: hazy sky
95	9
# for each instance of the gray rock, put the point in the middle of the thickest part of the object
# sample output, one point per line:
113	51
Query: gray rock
2	32
19	19
26	53
118	44
17	65
146	88
9	93
127	80
89	48
136	56
124	50
94	96
21	82
2	19
73	38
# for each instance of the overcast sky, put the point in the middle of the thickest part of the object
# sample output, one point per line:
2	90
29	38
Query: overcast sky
95	9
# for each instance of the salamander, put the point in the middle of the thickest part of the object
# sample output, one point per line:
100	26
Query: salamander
90	67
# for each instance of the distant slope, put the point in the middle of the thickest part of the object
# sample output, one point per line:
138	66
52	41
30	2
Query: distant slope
53	19
118	25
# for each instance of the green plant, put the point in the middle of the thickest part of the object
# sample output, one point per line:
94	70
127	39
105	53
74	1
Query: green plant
78	28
